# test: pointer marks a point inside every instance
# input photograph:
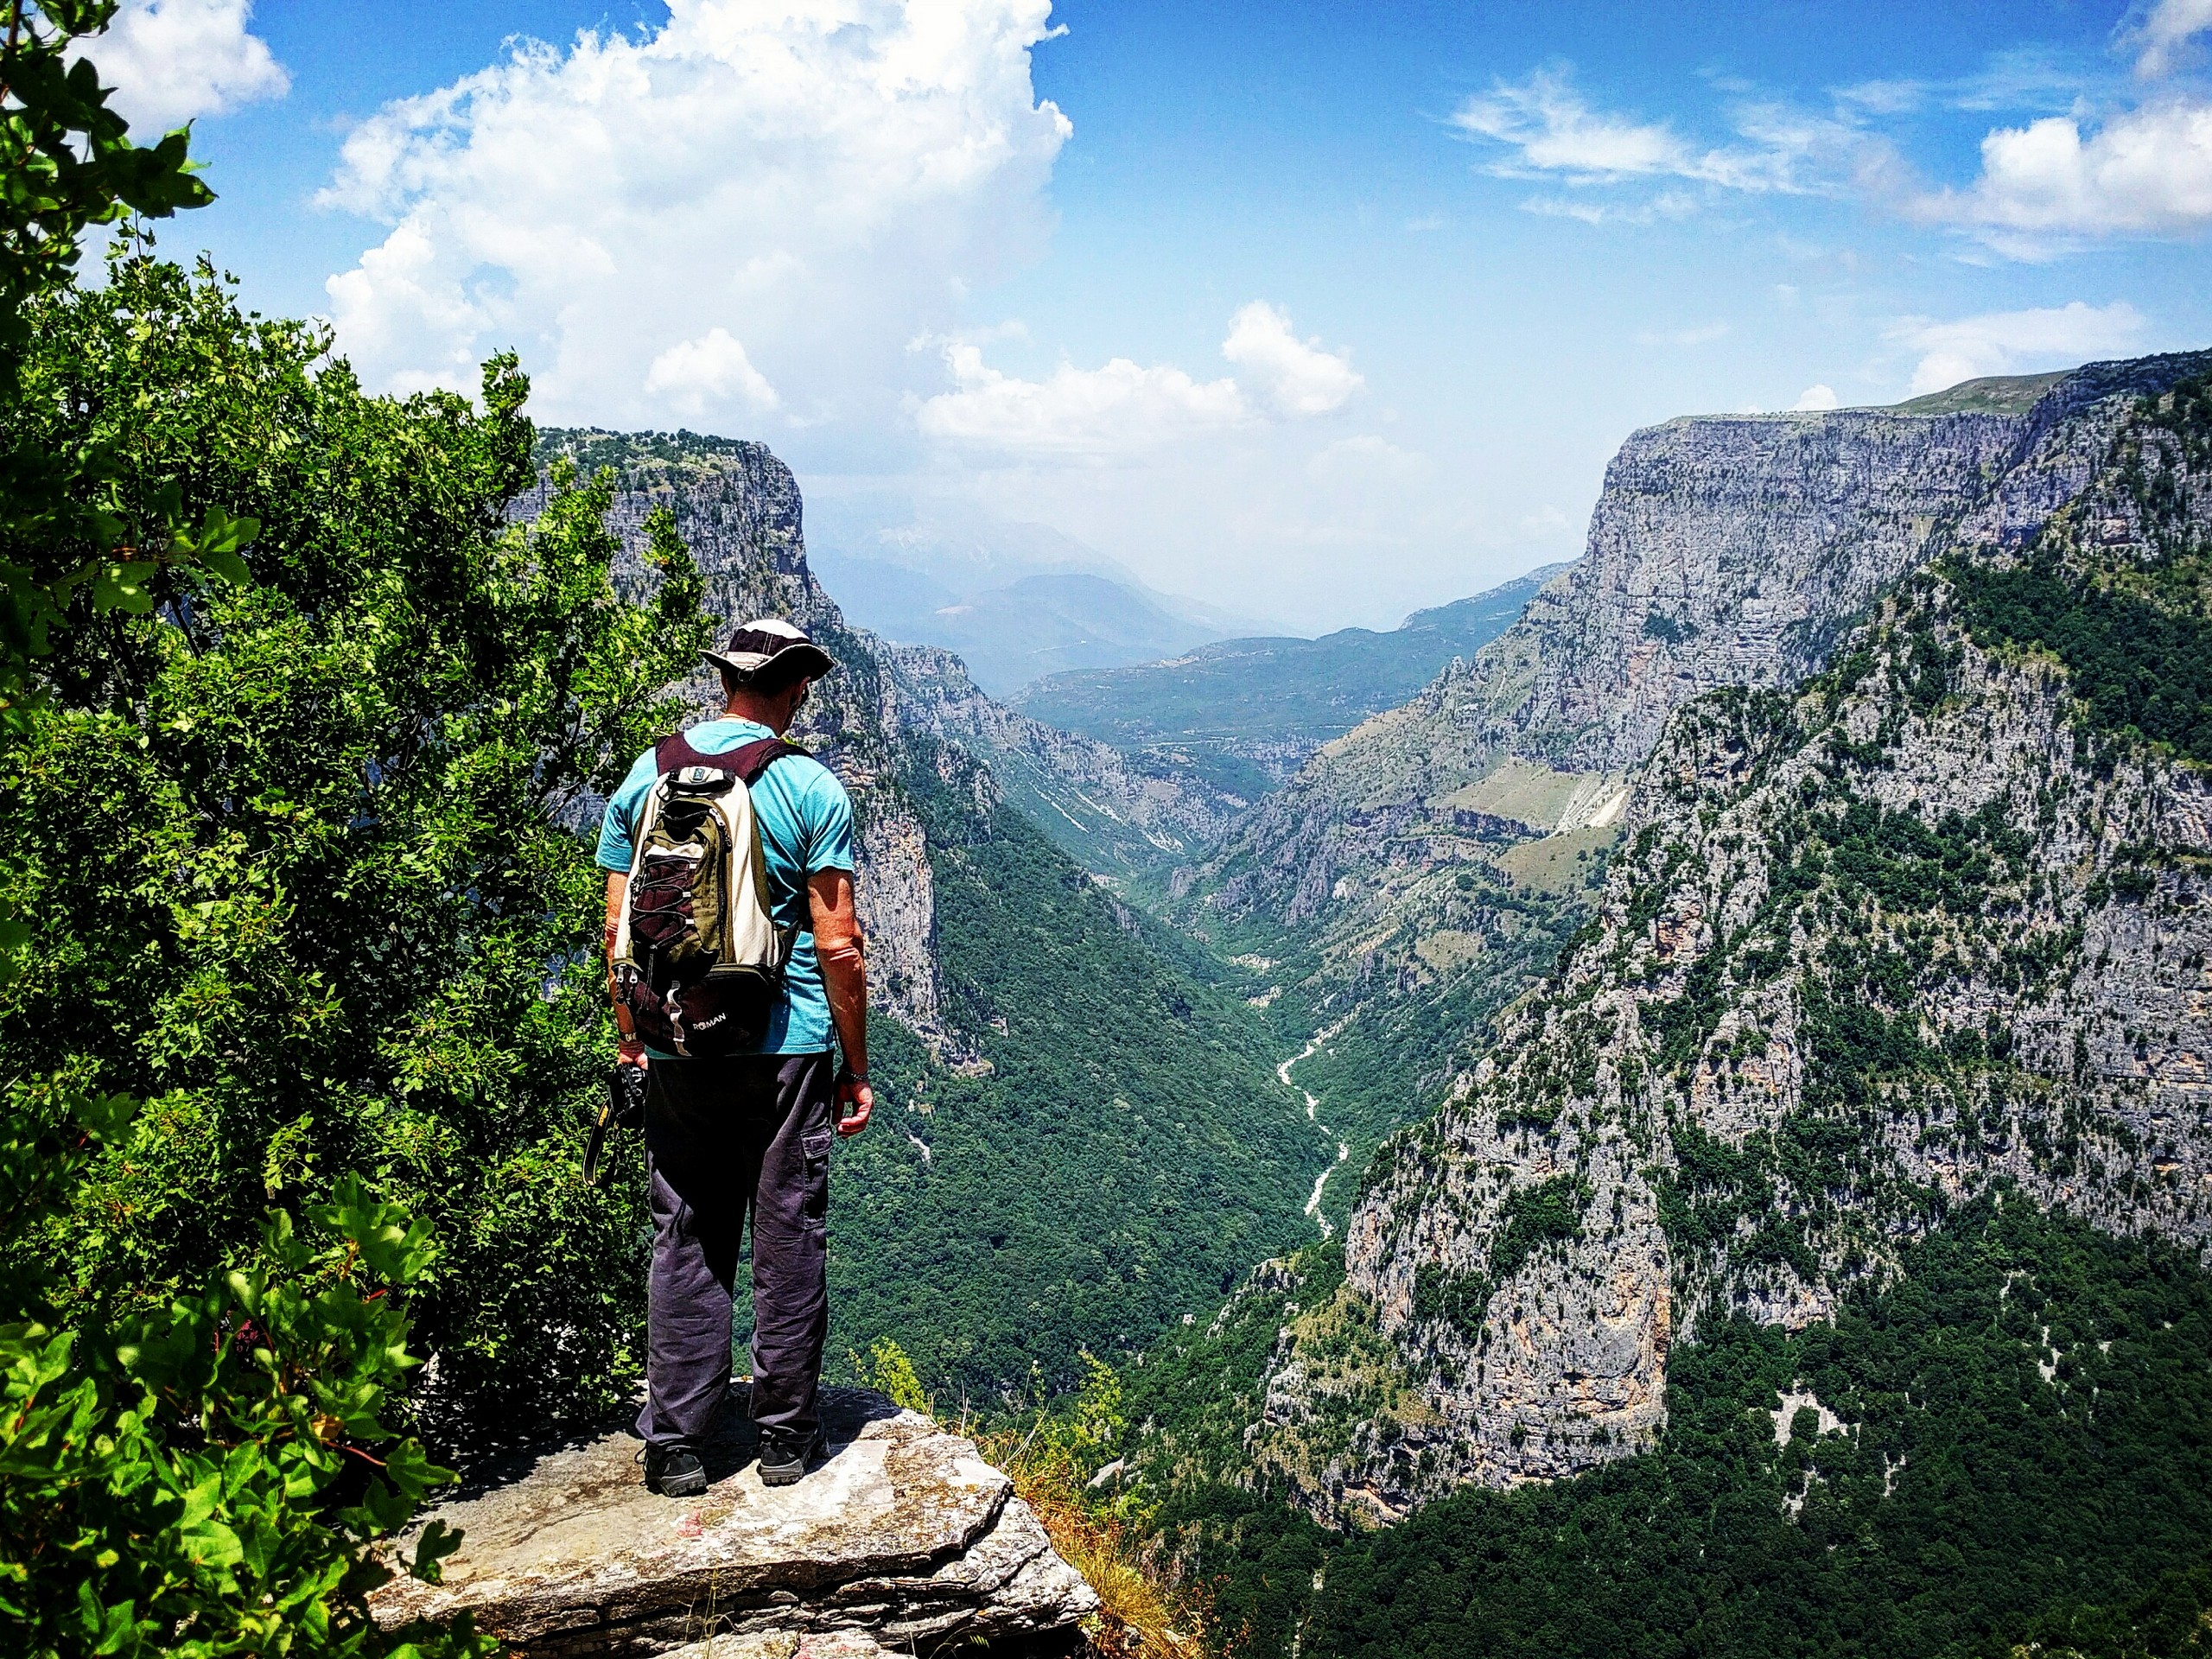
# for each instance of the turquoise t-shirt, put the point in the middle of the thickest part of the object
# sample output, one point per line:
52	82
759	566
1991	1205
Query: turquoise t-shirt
806	826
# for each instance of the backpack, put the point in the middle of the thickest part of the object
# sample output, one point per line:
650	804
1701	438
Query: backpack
698	956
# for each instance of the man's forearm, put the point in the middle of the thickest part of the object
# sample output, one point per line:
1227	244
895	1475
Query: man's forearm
617	885
844	978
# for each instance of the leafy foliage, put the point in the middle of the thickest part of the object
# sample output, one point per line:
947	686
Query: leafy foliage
186	1469
194	1479
291	848
71	165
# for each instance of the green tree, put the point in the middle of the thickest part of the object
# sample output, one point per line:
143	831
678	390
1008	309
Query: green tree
294	850
283	857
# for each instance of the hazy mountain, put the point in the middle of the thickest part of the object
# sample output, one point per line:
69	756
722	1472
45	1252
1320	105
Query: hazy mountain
1015	601
1035	626
1246	712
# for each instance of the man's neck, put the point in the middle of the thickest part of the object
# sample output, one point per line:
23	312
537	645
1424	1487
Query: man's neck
761	711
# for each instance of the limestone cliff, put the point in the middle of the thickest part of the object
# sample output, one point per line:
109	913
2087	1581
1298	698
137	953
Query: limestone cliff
1724	550
1936	919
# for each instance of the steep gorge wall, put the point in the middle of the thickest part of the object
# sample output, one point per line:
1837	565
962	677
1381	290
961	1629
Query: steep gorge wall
1928	923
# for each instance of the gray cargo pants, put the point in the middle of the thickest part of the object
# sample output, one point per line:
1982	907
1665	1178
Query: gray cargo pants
723	1137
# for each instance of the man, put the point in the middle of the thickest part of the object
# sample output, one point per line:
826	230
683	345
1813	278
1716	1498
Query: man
751	1131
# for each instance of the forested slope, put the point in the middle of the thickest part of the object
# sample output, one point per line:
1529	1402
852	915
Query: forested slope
2005	1444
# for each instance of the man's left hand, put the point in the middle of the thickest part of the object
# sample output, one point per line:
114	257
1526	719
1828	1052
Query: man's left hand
855	1102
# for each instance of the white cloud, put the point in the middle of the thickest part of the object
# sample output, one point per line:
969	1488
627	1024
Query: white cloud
1120	409
170	60
822	180
2010	342
1296	376
2145	172
2164	32
712	369
1552	130
1814	397
1667	204
1124	408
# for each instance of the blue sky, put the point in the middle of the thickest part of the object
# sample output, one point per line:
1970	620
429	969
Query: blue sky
1316	312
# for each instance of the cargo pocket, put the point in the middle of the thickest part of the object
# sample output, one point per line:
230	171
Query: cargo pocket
814	1207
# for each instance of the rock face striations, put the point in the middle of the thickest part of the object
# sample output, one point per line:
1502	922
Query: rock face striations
902	1540
1935	920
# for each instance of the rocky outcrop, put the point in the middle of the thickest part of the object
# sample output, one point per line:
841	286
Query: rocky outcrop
902	1540
1928	924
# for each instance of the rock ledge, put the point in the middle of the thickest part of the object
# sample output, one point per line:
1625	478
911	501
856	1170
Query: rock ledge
902	1539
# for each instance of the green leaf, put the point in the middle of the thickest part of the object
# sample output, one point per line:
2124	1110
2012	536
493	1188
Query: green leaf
123	588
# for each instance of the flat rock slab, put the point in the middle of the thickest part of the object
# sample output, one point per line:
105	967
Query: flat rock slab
903	1537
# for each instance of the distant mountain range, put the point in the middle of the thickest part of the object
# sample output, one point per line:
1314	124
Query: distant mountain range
1016	601
1246	713
1013	635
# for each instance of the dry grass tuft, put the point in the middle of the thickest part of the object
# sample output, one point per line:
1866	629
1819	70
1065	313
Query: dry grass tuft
1145	1611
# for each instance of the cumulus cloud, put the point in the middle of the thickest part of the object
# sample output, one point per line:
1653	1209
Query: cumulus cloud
1124	408
689	218
1550	129
170	60
1814	397
1120	409
1296	376
2010	342
2165	30
2146	172
712	369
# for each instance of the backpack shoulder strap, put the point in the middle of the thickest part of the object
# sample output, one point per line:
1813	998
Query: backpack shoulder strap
674	754
750	761
747	760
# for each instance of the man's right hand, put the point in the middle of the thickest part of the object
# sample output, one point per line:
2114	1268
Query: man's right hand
855	1103
629	1050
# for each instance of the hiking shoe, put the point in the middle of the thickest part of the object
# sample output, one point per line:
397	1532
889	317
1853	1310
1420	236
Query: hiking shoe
674	1472
784	1456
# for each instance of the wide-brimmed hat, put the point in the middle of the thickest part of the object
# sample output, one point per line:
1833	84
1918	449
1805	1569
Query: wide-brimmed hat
757	643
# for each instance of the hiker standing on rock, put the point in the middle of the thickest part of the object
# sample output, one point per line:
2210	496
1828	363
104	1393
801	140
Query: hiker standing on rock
733	956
